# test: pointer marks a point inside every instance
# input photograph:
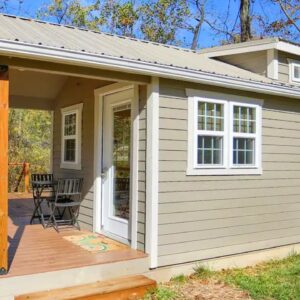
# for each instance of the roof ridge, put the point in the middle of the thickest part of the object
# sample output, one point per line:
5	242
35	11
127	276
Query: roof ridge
99	32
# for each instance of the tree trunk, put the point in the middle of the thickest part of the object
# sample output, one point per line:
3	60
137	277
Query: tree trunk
201	8
245	20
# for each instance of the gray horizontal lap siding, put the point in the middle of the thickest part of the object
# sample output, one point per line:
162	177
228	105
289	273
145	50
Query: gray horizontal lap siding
202	217
78	91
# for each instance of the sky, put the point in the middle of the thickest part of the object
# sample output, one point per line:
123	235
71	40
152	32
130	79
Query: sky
208	37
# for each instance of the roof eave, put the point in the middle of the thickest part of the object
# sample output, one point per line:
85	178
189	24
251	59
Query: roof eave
45	53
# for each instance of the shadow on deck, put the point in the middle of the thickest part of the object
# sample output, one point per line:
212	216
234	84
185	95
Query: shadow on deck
33	249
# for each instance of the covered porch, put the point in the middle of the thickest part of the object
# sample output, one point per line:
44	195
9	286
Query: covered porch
30	250
33	249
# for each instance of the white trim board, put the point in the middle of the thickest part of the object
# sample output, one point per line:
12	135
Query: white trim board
152	171
272	63
97	205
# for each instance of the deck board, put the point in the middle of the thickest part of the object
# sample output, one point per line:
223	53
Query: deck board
33	249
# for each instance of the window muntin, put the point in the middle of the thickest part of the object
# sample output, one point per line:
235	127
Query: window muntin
210	150
209	134
210	116
244	119
71	137
243	151
240	119
243	135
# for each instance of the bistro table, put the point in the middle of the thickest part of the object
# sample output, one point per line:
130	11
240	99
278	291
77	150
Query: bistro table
39	187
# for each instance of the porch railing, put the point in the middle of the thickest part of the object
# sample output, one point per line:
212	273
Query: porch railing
22	175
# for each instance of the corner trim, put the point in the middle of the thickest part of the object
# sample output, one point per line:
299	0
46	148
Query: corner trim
152	172
272	63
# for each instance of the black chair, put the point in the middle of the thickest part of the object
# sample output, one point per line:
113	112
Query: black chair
68	195
42	190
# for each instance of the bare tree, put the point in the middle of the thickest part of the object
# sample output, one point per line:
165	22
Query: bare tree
245	20
199	18
290	9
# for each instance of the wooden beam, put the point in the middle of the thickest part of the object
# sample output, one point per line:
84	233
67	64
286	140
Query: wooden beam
73	70
4	105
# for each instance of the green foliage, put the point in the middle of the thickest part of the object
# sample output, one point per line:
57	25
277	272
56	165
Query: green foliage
276	279
162	19
161	293
202	272
181	278
30	140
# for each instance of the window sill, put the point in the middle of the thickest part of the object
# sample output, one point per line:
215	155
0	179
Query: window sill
226	172
70	166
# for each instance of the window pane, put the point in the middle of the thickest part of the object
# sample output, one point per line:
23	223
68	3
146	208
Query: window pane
210	109
210	150
201	123
243	151
210	116
70	125
297	72
70	150
244	119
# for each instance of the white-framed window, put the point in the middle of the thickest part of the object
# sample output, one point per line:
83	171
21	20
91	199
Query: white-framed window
294	68
71	137
224	134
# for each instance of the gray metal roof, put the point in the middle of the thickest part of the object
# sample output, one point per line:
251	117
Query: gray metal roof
39	33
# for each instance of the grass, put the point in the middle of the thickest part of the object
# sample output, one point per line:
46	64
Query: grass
161	293
276	279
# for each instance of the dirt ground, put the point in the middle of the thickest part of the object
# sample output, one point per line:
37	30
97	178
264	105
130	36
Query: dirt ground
208	290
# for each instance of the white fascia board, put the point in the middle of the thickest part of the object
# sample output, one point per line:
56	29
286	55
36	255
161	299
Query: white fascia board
289	48
240	50
52	54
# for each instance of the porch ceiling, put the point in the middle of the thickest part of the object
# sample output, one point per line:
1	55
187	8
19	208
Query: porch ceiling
35	84
36	90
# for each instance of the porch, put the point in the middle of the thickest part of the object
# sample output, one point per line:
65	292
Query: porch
33	249
33	258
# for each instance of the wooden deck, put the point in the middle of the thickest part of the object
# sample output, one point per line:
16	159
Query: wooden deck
33	249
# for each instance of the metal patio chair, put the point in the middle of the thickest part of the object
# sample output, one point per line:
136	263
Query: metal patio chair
42	190
68	195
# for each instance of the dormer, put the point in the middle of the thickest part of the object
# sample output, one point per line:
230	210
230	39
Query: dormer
272	57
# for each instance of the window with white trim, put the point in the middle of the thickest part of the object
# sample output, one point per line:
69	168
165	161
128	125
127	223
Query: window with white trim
294	66
71	137
224	134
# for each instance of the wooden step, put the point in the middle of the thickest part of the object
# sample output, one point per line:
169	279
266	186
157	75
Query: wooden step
124	288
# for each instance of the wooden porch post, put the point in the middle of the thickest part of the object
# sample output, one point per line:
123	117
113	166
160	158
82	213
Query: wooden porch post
4	94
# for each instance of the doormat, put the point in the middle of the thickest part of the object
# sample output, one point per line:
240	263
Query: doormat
95	243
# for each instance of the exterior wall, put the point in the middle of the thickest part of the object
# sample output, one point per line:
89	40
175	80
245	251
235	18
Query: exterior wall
203	217
78	90
255	62
283	65
82	91
142	170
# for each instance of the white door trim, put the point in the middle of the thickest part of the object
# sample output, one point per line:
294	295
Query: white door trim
97	205
152	171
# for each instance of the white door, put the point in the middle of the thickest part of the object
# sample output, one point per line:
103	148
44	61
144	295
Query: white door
117	124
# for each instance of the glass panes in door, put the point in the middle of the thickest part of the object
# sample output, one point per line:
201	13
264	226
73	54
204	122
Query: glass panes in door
121	160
